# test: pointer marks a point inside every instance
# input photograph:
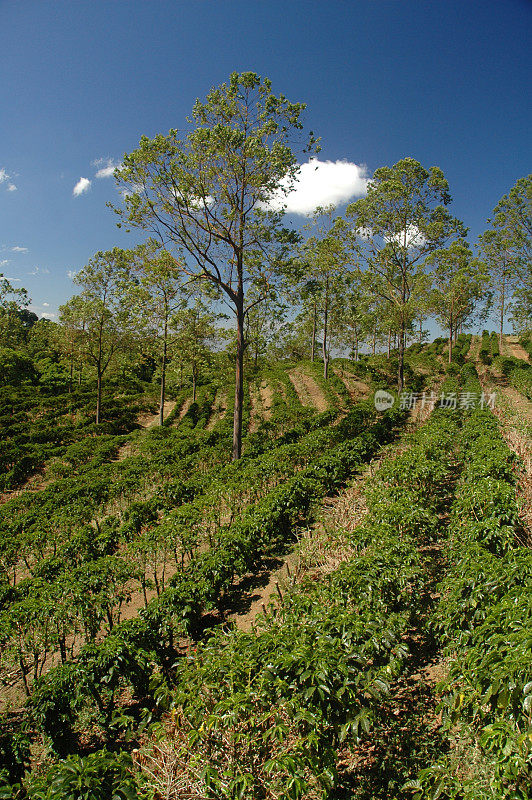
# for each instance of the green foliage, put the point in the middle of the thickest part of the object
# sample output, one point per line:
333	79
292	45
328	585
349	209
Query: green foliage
101	775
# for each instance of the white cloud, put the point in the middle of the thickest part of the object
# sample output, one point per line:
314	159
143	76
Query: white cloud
39	271
322	183
107	167
18	249
47	315
5	177
4	262
71	273
83	185
413	238
46	305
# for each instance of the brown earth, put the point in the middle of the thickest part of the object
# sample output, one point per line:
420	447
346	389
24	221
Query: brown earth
266	399
357	389
308	390
513	348
219	408
150	420
184	408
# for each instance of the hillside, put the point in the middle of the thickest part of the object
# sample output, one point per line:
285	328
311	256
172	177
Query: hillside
344	612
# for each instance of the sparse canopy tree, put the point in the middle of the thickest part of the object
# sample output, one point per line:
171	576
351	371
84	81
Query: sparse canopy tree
195	333
356	315
207	195
156	294
507	248
459	282
99	312
396	226
12	315
324	263
263	322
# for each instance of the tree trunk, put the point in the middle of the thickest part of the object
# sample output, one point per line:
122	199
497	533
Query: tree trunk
193	386
503	287
313	351
325	354
401	353
450	343
239	381
451	329
98	397
389	341
163	374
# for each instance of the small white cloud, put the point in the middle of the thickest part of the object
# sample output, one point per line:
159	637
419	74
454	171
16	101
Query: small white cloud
18	249
4	262
5	177
46	305
47	315
83	185
106	166
39	271
411	237
71	273
322	183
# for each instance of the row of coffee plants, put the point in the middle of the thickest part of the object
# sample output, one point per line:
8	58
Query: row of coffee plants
136	657
84	582
264	713
36	428
484	619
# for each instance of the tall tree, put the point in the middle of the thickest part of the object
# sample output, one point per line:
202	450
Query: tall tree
208	194
100	312
157	294
400	221
12	300
194	333
459	283
324	263
507	249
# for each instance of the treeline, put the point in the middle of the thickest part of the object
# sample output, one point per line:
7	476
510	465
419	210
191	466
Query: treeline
212	206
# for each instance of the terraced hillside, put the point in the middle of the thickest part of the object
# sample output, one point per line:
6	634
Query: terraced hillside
322	618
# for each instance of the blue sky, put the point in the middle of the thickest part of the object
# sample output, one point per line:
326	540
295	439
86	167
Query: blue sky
444	81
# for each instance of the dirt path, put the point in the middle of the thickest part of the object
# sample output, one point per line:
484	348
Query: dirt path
474	348
266	399
521	405
308	390
254	414
184	408
358	390
150	420
219	408
513	348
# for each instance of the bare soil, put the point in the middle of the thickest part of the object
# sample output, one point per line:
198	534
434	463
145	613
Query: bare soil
357	389
219	410
513	348
308	390
266	399
150	420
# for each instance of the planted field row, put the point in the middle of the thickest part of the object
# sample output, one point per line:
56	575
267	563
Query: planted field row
484	621
265	713
276	704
